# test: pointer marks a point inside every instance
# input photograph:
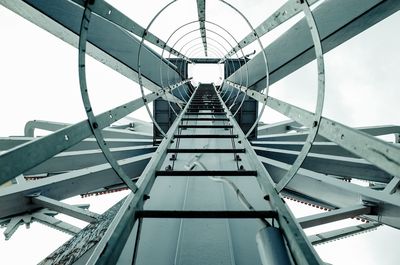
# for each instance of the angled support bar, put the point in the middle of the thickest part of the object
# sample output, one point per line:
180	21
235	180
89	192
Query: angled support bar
284	13
56	223
332	216
341	233
14	200
337	21
384	155
32	153
35	152
392	186
113	15
64	208
61	18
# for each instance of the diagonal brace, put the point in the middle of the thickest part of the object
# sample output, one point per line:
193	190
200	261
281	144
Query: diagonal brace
334	215
64	208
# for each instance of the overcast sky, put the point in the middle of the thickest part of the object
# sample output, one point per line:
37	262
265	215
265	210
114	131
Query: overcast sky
39	80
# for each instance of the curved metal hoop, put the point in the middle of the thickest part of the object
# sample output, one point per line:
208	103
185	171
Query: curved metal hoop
320	100
96	128
140	73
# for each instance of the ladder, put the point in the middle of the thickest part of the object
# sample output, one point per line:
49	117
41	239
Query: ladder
181	185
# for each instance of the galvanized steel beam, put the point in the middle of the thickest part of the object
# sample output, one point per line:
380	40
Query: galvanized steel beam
384	155
110	13
337	21
201	13
64	208
329	164
14	200
284	13
333	216
33	153
107	42
325	189
73	160
342	233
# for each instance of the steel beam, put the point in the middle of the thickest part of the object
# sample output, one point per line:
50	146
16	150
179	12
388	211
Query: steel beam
284	13
110	13
341	233
107	42
201	13
56	223
337	22
33	153
41	149
14	200
333	216
275	128
384	155
321	188
30	126
64	208
7	143
73	160
325	148
329	164
301	136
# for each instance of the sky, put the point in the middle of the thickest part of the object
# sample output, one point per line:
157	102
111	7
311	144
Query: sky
39	80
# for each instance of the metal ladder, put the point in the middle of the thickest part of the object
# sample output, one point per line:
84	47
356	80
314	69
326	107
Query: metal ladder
207	130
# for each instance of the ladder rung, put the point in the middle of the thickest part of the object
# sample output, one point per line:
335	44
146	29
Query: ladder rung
208	173
203	150
205	119
205	113
203	100
206	126
206	136
206	214
209	103
202	108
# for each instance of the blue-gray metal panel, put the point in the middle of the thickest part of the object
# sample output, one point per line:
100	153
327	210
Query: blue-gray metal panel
337	21
109	38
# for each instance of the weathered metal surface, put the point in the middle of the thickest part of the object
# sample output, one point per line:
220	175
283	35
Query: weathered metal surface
83	242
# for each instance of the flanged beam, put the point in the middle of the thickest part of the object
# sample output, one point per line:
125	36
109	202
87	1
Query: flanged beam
337	21
201	12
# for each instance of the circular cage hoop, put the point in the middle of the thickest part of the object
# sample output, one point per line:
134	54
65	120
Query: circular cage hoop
96	126
140	72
